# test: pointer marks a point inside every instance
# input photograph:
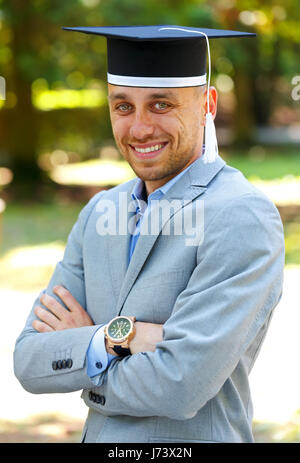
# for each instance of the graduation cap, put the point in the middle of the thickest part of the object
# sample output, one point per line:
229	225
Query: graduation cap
162	56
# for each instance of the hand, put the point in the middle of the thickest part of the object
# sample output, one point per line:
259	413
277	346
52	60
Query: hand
59	318
147	335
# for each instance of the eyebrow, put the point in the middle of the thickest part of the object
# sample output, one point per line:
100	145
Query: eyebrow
117	96
152	96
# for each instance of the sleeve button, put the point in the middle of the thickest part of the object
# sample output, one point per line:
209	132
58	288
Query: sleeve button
54	365
69	363
59	365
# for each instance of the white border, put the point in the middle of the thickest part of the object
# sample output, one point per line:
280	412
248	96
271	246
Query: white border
129	81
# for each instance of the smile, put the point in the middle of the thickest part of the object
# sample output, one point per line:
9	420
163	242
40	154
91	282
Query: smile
148	151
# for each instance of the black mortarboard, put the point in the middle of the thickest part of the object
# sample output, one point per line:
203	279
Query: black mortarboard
157	56
162	56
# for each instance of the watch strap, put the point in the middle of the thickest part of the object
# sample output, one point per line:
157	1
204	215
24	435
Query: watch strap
122	351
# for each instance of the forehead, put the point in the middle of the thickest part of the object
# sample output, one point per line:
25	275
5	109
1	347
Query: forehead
116	92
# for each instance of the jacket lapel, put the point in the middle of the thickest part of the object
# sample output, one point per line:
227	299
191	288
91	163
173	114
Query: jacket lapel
189	187
118	245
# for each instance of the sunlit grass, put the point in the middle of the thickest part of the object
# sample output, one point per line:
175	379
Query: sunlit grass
29	268
36	224
33	241
275	171
93	172
266	163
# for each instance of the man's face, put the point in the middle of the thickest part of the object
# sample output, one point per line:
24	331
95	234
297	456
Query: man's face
159	131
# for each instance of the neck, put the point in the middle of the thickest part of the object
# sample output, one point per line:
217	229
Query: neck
152	185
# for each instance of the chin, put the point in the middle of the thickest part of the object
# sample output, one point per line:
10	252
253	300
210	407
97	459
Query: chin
154	176
146	176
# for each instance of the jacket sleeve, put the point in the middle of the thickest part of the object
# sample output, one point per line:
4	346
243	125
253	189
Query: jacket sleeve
35	353
230	296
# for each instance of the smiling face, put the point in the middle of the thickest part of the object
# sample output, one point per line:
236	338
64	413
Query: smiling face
159	131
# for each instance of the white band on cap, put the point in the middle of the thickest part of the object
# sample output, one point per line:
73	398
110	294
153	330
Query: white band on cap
129	81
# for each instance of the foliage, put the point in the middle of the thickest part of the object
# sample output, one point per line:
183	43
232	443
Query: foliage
35	52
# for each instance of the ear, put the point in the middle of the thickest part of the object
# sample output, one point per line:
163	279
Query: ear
213	100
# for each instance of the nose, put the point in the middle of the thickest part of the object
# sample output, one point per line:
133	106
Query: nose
141	127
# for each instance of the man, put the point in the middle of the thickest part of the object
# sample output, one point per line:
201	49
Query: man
162	327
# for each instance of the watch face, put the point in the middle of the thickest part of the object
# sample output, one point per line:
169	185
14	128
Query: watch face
119	328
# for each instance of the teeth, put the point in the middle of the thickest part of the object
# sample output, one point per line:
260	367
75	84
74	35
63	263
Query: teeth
149	149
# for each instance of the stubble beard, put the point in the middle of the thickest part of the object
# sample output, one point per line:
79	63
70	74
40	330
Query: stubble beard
171	167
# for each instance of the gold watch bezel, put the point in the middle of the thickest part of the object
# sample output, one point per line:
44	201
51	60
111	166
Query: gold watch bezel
124	338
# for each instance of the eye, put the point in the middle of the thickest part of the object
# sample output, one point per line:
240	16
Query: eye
161	105
123	107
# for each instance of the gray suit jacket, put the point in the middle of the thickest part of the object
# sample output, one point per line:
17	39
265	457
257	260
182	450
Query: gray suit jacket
215	300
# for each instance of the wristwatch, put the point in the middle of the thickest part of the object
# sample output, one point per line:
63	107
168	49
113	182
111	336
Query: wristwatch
119	332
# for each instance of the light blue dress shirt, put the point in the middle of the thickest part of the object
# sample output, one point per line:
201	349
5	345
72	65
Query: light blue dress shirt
97	357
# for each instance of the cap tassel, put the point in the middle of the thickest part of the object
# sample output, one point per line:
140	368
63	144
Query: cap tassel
211	143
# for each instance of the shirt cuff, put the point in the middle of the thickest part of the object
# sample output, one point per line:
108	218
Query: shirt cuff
98	359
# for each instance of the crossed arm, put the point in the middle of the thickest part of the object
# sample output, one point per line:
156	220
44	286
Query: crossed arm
57	318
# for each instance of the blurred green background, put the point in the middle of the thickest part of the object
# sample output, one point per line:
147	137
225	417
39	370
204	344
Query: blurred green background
57	147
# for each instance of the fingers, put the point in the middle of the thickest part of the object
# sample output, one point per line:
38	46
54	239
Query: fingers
52	304
67	298
77	315
57	316
51	319
41	327
47	317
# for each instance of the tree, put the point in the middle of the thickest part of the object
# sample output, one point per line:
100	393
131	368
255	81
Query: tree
260	63
33	46
31	30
